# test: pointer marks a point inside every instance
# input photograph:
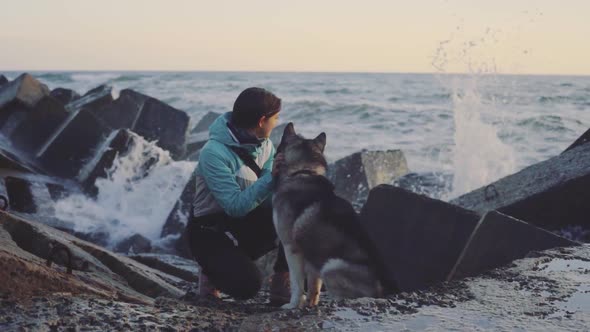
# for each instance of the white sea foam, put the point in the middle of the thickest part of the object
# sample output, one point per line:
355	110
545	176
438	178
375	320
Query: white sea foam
139	193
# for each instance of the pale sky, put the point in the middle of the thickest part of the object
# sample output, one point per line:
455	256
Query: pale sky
505	36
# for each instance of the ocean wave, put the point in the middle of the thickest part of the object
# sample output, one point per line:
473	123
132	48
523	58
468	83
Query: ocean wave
54	77
344	91
99	78
576	99
546	122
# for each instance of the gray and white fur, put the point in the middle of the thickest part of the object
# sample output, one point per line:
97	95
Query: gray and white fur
320	231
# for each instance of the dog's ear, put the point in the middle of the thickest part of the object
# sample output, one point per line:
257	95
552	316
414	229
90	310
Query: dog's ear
320	141
289	130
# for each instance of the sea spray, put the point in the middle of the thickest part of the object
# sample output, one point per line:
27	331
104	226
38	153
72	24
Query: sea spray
479	156
140	191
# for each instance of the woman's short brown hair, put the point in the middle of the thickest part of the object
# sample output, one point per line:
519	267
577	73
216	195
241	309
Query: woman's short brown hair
252	104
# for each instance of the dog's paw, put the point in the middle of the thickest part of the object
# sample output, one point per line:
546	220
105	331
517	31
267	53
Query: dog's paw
313	300
295	304
289	306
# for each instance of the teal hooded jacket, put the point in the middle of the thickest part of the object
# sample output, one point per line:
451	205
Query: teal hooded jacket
223	182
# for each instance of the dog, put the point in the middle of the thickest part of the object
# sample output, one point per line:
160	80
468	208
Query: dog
320	232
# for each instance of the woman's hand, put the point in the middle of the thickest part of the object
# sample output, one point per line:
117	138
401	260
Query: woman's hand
278	162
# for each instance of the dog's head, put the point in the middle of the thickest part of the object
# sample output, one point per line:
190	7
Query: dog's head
302	154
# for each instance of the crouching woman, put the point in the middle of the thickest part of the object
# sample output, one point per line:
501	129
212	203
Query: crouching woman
231	223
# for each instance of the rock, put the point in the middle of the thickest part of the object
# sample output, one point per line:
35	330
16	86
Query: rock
206	121
355	175
11	161
551	194
124	111
24	90
64	96
4	201
179	217
581	140
498	240
20	195
161	122
73	144
431	184
134	244
116	144
418	239
95	98
194	144
185	269
3	80
39	125
94	270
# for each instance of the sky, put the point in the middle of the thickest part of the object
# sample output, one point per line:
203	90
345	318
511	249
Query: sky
501	36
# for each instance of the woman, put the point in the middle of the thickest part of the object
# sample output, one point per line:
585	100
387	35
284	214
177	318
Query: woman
231	222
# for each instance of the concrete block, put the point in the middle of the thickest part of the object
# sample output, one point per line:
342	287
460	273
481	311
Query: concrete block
73	145
355	175
39	125
95	98
206	121
3	80
124	111
161	122
115	144
585	138
20	195
419	239
4	201
64	96
499	239
24	90
551	194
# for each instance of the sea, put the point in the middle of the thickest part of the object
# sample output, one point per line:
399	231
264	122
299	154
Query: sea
469	129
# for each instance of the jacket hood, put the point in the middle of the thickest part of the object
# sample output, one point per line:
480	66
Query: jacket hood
219	131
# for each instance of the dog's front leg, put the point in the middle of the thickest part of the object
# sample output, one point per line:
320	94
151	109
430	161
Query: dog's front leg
314	285
296	276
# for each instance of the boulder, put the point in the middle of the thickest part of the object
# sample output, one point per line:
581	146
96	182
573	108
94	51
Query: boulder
124	111
20	195
11	161
182	268
206	121
551	194
418	239
116	143
93	269
179	215
161	122
135	244
355	175
64	96
499	239
585	138
431	184
73	144
39	125
95	98
4	201
24	90
194	144
3	80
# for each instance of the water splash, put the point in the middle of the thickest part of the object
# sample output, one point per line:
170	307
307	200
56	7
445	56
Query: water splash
479	156
140	191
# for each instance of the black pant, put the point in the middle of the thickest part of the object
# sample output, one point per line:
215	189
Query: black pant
231	268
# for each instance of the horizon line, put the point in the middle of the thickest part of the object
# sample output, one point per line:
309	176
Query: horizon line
283	72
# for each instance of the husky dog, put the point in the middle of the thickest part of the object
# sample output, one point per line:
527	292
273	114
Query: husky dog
320	232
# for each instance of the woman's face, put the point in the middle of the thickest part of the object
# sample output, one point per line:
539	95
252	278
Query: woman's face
266	125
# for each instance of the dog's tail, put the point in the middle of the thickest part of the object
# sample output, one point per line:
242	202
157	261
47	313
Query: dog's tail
349	280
